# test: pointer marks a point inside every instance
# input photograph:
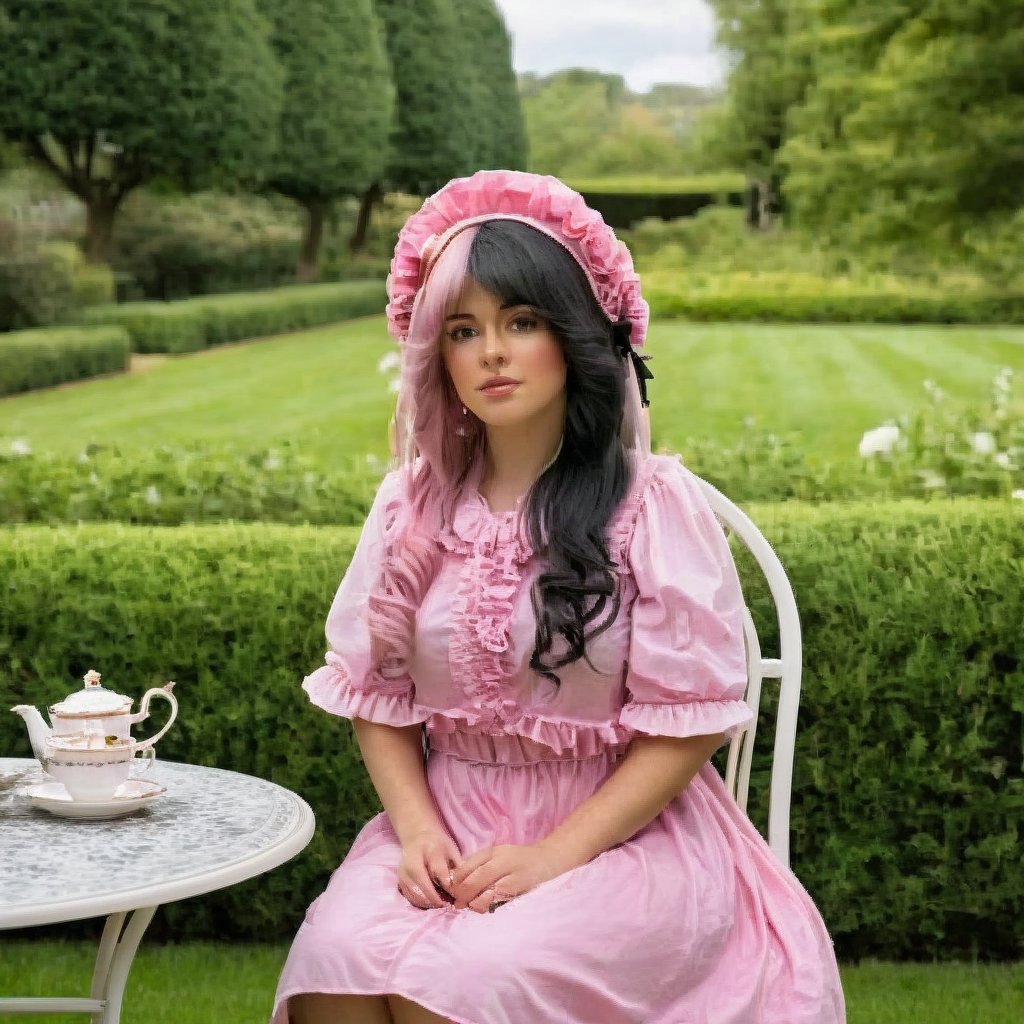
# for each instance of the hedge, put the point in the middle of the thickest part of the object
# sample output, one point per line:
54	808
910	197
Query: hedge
803	298
624	209
175	486
191	324
908	789
53	355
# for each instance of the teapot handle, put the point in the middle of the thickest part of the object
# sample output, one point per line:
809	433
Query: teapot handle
157	691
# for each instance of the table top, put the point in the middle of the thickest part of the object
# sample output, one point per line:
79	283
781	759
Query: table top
211	829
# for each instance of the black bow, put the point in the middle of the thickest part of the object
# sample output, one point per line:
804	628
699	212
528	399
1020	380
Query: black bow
620	336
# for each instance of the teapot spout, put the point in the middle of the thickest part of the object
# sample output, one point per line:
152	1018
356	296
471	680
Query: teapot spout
38	731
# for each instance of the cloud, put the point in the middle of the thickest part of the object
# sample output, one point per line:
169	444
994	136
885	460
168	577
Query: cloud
645	41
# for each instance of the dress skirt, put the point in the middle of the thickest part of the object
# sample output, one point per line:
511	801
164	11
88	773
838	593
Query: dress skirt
692	921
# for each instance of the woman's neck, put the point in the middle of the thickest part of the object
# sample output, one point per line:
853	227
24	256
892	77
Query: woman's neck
515	457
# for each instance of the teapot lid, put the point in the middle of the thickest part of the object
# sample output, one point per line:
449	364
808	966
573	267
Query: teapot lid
93	699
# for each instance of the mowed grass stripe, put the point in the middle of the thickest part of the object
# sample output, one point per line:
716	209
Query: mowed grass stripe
806	380
962	361
321	388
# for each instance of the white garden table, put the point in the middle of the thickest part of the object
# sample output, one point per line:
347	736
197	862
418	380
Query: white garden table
211	829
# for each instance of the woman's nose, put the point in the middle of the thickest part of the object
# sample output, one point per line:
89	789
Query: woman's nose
492	352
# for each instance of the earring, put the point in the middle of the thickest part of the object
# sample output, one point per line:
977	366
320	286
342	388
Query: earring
462	429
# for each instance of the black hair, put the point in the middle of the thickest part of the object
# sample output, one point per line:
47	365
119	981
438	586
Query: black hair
570	505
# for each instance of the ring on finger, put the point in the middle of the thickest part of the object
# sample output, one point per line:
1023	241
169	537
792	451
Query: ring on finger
499	900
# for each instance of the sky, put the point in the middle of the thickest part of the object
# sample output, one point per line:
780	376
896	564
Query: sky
645	41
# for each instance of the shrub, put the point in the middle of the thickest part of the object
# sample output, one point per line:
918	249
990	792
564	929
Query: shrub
908	784
949	448
191	324
37	281
175	247
807	298
42	358
174	486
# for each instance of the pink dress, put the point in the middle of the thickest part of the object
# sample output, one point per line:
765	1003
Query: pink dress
693	920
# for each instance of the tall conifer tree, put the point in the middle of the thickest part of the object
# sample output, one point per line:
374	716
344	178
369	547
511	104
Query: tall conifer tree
337	110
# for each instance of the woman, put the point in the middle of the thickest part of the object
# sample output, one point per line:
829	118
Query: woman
559	608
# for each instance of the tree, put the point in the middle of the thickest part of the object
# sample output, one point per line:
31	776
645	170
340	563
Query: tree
496	117
337	109
110	96
431	139
926	142
770	52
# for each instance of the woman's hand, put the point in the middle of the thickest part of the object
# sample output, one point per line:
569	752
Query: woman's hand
428	861
498	873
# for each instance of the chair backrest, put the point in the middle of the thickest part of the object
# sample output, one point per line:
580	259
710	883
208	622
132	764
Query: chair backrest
786	668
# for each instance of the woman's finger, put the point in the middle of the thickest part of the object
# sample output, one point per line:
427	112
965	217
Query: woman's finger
471	863
423	886
413	894
493	898
442	874
475	884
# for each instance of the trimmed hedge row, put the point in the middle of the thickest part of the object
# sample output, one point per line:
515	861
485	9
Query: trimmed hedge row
172	486
908	789
175	486
802	298
53	355
191	324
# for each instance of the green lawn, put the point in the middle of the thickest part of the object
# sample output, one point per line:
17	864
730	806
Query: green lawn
321	388
202	983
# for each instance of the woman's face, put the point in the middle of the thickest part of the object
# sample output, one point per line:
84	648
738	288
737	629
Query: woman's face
483	339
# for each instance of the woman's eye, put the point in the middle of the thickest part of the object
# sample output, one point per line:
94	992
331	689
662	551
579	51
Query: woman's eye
461	333
524	323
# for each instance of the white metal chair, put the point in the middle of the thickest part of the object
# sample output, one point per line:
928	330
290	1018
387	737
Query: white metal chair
786	668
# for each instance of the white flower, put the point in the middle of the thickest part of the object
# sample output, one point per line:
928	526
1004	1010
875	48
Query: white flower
84	457
1003	459
272	461
152	495
394	385
879	441
372	459
931	480
19	446
92	678
388	362
1018	494
93	478
983	442
748	421
934	390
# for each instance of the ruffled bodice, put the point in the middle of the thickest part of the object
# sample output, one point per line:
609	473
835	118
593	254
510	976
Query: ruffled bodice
670	663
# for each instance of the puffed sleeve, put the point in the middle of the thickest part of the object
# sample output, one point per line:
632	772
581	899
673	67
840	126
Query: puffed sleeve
348	685
687	668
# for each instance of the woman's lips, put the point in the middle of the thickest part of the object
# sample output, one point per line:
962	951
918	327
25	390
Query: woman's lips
497	390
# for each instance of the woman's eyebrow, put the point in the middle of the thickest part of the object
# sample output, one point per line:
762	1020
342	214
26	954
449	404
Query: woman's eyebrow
458	316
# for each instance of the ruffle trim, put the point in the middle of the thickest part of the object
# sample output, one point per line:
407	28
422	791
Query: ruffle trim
332	689
696	718
476	529
583	739
545	202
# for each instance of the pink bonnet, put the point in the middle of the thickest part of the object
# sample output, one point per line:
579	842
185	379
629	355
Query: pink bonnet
541	201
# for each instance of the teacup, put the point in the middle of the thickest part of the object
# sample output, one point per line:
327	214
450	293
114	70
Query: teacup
91	767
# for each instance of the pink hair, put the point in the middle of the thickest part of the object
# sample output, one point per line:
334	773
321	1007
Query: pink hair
436	445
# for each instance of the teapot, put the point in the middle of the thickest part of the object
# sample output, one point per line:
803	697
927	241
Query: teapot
93	710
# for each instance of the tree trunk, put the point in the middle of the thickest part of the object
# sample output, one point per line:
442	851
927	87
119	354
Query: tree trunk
99	226
308	268
372	196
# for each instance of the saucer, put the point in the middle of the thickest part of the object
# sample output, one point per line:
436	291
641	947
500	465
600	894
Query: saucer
128	797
